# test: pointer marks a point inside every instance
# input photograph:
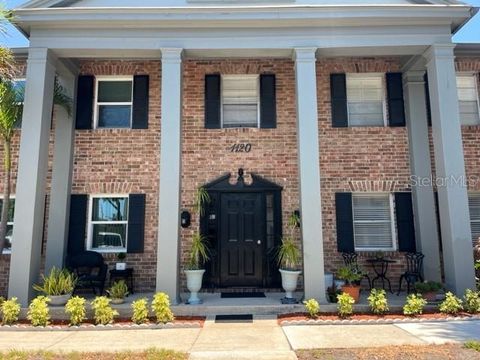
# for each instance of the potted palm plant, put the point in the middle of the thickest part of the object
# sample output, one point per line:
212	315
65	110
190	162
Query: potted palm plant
289	259
352	277
58	285
118	291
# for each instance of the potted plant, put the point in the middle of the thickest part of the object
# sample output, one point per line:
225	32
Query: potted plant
351	276
58	286
121	264
118	291
428	289
194	270
289	259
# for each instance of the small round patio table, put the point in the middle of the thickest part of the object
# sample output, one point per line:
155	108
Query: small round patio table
380	266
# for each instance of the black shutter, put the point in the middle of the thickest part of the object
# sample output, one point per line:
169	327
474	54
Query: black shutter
343	209
396	108
84	114
405	226
136	223
338	93
268	102
427	100
77	224
140	102
212	101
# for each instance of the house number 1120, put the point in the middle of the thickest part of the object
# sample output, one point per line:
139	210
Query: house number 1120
240	148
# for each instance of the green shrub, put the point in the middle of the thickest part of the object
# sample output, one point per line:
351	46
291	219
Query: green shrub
140	311
414	305
472	345
313	307
58	282
75	307
119	290
103	312
378	301
10	311
38	312
471	301
161	308
428	287
451	305
345	305
350	274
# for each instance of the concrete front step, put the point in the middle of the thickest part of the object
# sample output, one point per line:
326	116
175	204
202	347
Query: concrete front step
243	355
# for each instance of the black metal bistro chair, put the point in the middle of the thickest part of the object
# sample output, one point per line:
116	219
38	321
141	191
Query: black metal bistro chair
351	259
414	270
90	269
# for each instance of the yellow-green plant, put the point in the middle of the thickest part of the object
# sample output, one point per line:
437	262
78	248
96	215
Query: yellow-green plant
471	301
161	308
288	254
140	311
378	301
75	308
414	305
10	311
202	198
451	305
38	312
57	282
313	307
103	312
119	290
198	252
345	305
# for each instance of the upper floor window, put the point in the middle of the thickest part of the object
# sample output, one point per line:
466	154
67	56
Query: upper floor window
468	99
474	207
9	235
19	86
366	99
113	102
240	101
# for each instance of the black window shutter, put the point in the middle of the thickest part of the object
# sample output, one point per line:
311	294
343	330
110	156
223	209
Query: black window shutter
212	101
343	209
140	102
136	223
405	225
268	102
77	224
427	100
396	108
84	114
338	92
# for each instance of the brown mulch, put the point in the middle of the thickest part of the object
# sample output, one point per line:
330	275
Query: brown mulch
419	352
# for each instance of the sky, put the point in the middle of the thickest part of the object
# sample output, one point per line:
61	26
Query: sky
468	34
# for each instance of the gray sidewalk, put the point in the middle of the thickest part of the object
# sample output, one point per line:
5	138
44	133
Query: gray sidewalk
263	339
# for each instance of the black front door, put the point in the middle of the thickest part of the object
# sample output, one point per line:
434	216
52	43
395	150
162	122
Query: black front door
241	239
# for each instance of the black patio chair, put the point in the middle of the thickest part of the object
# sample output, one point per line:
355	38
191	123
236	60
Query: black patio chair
414	270
351	259
90	269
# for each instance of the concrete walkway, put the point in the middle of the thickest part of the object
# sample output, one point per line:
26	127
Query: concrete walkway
263	339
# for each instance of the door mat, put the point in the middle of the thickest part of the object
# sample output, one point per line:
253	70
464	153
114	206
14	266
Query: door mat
234	318
239	295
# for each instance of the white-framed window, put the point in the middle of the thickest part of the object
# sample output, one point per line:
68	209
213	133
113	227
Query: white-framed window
366	99
108	223
468	99
474	207
373	222
9	236
19	86
240	101
113	101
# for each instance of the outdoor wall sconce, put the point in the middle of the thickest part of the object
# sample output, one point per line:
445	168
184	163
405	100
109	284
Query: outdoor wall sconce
185	219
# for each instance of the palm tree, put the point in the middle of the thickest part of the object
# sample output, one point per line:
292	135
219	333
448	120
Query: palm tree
6	57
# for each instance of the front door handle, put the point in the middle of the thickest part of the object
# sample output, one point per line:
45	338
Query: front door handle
259	242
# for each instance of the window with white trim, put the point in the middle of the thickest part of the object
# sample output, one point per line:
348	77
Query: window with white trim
366	99
474	207
108	223
240	101
113	102
19	87
8	237
468	99
373	224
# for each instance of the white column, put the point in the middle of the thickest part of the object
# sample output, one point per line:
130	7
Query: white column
168	248
450	169
426	232
32	171
309	170
59	210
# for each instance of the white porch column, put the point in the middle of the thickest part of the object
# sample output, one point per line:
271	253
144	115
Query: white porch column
426	232
309	170
168	248
59	210
450	169
32	171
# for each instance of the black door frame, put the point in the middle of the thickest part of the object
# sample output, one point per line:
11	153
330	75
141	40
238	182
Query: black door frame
210	225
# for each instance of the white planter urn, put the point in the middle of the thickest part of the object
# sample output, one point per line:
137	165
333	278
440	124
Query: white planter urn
289	284
59	300
194	284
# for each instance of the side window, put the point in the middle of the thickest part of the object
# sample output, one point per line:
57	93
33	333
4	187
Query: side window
113	102
468	99
474	207
366	100
8	237
19	85
240	101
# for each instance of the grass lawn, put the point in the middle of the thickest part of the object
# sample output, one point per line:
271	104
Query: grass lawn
427	352
151	354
